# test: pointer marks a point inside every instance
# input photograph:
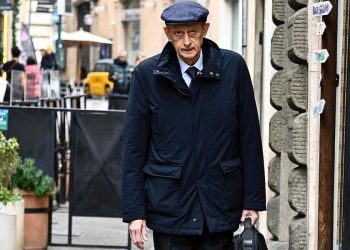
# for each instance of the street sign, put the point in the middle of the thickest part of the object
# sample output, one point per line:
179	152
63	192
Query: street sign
318	108
4	114
320	28
321	8
321	56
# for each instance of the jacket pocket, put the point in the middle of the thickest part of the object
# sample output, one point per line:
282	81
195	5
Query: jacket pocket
230	165
163	171
162	189
226	184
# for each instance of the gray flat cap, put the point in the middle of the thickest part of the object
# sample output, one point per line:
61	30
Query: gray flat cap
184	12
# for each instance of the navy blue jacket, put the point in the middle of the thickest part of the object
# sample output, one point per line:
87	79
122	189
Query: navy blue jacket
192	157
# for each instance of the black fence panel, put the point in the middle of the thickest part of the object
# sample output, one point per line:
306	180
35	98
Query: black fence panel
35	132
96	143
117	101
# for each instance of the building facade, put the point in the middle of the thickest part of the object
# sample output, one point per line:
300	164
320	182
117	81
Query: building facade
306	148
135	26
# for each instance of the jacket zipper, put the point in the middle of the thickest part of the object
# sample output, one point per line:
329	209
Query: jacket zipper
193	120
194	137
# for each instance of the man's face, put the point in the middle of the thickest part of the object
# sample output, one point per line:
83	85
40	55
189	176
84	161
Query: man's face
123	56
187	40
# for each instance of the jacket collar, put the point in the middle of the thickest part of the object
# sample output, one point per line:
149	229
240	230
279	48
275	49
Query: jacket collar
168	64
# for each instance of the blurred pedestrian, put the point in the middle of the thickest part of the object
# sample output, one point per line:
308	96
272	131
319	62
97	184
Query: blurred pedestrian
193	163
13	64
122	74
33	78
5	89
48	60
140	57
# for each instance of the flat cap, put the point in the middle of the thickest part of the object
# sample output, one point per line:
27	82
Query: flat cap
184	12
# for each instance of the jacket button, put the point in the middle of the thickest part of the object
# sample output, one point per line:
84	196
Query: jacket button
217	74
211	73
194	219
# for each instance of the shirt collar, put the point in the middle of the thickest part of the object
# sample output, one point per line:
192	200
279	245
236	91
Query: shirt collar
184	66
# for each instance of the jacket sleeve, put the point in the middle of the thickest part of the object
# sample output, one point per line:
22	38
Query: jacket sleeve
135	150
250	144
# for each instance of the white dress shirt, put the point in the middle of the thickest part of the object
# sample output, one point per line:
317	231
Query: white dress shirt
184	66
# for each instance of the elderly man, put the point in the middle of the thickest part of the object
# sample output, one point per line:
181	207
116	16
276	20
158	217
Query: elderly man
193	164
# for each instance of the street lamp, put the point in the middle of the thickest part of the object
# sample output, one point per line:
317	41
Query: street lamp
61	10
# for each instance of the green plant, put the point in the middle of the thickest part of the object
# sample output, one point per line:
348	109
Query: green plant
7	196
8	156
29	177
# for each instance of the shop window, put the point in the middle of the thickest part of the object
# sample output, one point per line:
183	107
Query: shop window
132	39
132	28
132	4
105	51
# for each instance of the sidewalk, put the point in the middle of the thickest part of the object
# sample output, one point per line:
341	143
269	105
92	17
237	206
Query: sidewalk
90	231
102	231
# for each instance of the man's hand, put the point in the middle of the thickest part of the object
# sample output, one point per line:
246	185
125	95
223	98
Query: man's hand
138	233
115	76
251	214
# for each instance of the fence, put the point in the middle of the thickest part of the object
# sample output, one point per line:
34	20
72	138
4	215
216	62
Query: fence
93	139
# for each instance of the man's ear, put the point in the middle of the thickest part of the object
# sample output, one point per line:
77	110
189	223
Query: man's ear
167	33
205	28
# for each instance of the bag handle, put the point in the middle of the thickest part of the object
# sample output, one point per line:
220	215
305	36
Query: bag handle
248	235
248	223
12	65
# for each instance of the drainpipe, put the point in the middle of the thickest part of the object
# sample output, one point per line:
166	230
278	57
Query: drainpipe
244	28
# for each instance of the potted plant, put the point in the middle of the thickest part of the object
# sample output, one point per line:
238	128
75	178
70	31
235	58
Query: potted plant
11	205
35	187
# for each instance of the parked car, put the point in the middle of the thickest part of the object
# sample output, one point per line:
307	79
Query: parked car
97	82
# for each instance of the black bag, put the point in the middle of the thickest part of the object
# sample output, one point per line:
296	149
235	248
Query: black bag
249	239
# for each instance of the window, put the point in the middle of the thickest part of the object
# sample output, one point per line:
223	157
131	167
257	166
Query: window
132	28
132	39
132	4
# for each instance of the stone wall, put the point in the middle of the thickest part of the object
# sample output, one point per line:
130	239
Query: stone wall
286	211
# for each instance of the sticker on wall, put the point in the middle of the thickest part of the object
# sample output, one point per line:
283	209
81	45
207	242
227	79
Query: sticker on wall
321	8
4	114
320	28
318	108
321	56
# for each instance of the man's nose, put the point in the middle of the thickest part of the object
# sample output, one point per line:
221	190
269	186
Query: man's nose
187	39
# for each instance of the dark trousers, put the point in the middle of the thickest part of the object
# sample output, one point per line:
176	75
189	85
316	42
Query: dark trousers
206	241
